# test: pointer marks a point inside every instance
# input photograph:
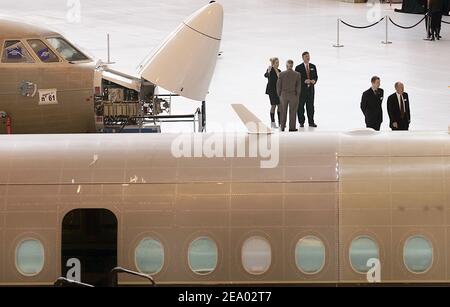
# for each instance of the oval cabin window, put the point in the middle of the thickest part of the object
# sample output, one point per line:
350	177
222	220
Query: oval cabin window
30	257
256	255
361	250
203	256
310	255
418	254
149	256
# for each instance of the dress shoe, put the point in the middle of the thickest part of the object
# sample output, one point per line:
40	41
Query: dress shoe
313	125
302	125
293	130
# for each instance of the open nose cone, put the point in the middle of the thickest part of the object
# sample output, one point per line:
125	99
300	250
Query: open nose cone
208	20
185	62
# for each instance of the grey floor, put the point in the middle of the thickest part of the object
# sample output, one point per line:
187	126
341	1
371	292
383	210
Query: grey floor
256	30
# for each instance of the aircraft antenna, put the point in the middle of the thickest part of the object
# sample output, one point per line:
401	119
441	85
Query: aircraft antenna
108	43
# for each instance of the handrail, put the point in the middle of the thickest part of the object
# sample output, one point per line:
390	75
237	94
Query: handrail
159	118
163	116
167	95
116	271
62	281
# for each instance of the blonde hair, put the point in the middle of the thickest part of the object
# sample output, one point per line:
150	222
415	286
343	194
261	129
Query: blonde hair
273	60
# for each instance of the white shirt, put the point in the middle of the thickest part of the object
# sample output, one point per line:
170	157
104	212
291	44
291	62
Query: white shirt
400	102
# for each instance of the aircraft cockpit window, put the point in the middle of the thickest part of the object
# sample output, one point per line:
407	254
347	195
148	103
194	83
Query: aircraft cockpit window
66	50
15	52
44	53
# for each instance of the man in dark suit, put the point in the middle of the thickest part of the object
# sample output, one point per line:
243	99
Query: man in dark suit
436	9
371	102
398	108
308	73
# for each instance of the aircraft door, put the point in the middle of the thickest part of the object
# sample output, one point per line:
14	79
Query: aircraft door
89	245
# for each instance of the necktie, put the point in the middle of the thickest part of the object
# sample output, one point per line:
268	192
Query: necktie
402	107
308	72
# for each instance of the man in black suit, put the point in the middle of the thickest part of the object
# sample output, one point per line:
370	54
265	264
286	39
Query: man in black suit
436	9
308	73
398	108
371	102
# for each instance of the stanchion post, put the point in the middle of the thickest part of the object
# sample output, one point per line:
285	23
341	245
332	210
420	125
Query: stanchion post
387	42
428	22
338	45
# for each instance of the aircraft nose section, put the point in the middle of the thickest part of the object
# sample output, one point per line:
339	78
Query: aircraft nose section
208	20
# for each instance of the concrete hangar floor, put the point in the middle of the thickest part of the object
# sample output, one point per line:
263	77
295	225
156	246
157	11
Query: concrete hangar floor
256	30
336	171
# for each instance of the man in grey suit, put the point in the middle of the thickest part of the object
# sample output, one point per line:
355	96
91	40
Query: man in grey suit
288	88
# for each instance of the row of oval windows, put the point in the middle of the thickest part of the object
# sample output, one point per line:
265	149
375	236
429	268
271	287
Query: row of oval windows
256	255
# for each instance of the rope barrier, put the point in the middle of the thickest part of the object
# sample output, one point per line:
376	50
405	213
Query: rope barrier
362	27
403	27
387	19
